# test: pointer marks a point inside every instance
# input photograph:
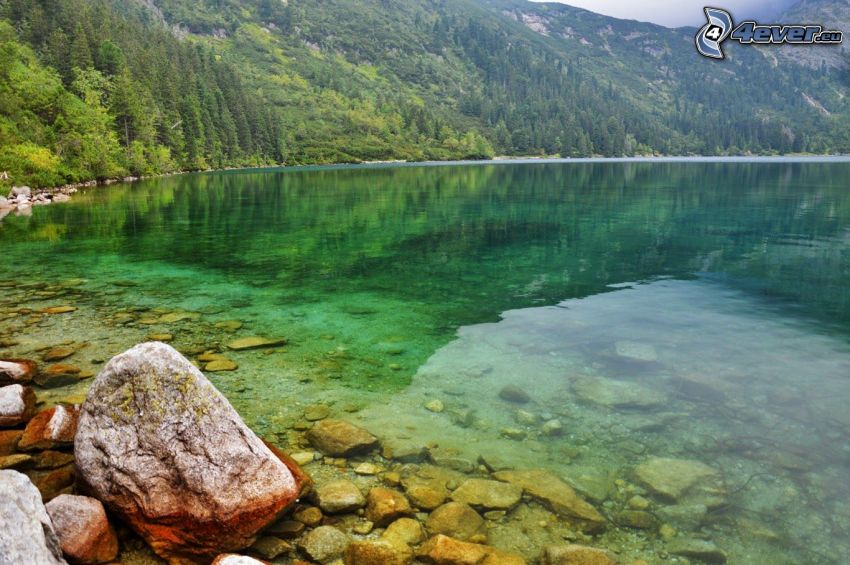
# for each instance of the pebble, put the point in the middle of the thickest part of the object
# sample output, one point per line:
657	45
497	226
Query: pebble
303	457
220	365
160	337
254	343
363	527
435	405
58	310
310	516
552	428
514	433
513	393
58	353
367	469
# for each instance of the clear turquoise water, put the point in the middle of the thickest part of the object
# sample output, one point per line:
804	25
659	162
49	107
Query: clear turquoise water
720	287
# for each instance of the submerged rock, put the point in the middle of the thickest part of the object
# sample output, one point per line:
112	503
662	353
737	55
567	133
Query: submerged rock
254	343
17	371
617	394
377	552
324	544
488	495
50	428
17	405
338	438
385	505
513	393
443	550
672	478
457	520
704	550
26	532
60	374
339	496
549	489
576	555
85	534
163	449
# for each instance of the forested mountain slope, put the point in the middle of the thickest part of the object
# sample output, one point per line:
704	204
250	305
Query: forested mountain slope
102	88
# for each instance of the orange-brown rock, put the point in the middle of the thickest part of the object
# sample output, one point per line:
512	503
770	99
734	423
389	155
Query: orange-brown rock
338	438
163	449
9	441
377	552
385	505
443	550
549	489
17	405
576	555
50	428
85	534
17	371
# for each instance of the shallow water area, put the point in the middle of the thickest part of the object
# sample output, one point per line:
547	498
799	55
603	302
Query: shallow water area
589	319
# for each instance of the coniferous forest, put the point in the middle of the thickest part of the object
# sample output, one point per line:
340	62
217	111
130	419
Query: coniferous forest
96	89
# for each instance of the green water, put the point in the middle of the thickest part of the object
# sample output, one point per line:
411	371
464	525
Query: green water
721	288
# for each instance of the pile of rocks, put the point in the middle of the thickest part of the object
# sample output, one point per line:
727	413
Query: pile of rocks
157	449
22	198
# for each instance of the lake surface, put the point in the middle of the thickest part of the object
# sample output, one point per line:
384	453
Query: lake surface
692	310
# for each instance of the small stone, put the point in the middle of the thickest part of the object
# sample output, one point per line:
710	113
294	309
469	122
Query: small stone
175	317
17	405
404	451
58	310
50	428
286	529
303	457
444	550
667	532
552	428
16	461
83	529
271	547
160	337
549	489
426	494
488	495
254	343
457	520
688	517
450	459
59	374
695	548
638	502
672	478
51	459
324	544
514	433
220	365
310	517
338	438
339	496
367	469
229	325
384	505
525	418
513	393
58	353
17	371
405	531
435	406
315	412
576	555
377	552
363	527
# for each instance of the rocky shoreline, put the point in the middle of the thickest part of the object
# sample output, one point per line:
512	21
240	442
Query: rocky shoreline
156	453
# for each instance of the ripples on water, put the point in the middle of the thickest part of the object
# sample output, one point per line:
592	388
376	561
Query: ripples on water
685	310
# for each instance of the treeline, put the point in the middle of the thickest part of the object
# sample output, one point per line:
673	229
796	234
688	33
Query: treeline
93	92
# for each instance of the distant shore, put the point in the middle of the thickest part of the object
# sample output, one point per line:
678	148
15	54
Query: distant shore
45	194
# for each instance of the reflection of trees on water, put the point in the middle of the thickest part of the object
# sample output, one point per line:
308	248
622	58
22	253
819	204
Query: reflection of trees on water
475	240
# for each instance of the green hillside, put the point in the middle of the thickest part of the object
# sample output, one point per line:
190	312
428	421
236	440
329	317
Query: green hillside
105	88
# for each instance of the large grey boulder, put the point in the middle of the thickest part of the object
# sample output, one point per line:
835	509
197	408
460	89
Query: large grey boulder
26	532
162	448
